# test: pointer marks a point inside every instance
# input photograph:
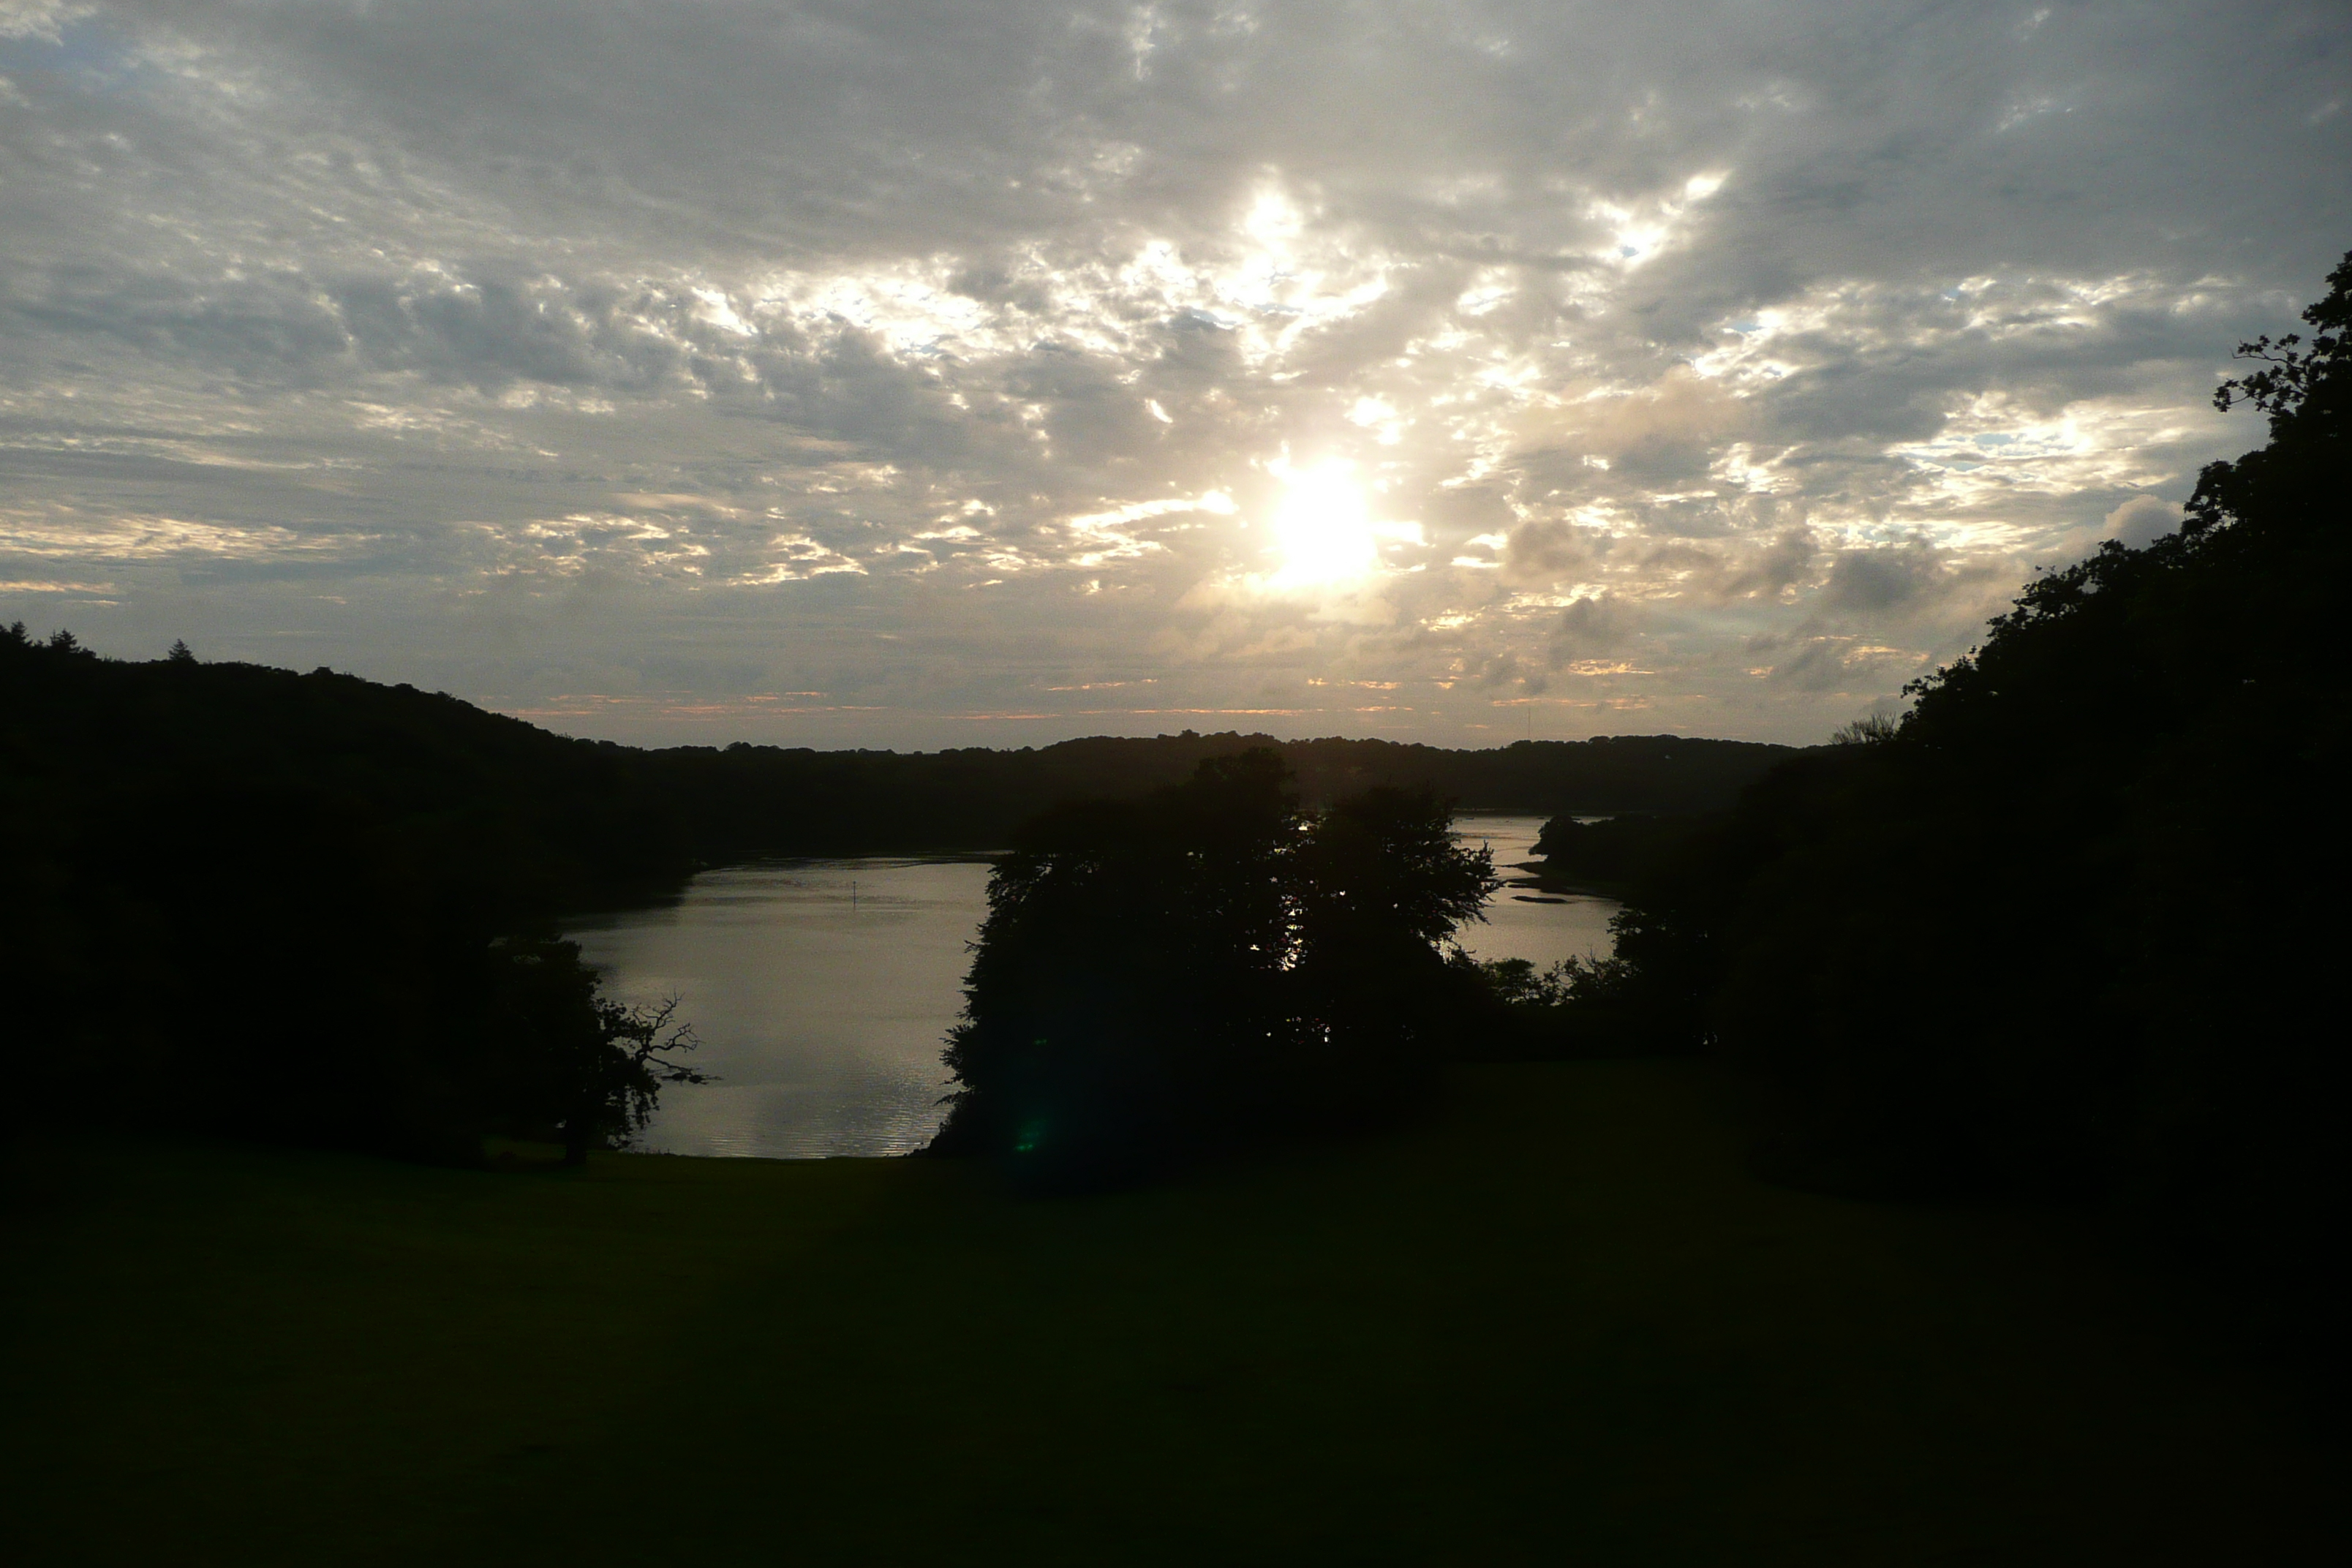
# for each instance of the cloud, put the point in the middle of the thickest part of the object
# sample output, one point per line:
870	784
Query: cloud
1549	551
2140	521
1772	566
1846	667
891	352
1591	628
1663	433
1874	580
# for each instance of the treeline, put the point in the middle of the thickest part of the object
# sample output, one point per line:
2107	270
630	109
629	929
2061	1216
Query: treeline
527	819
727	800
244	898
2074	927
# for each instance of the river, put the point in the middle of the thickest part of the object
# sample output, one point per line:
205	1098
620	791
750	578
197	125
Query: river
822	989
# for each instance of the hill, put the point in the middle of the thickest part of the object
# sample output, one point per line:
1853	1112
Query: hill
259	900
523	819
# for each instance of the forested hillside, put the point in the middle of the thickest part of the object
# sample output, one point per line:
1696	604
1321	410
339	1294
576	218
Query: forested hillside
2074	927
252	899
528	819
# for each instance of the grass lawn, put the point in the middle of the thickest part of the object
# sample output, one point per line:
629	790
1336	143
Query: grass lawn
1563	1326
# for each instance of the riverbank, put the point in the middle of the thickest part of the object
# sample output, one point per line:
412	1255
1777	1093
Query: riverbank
1564	1324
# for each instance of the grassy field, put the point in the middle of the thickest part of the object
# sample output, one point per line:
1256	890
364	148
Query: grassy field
1563	1326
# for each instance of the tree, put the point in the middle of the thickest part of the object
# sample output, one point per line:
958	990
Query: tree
1197	968
1130	959
1380	886
2302	388
1870	729
2072	927
570	1060
618	1082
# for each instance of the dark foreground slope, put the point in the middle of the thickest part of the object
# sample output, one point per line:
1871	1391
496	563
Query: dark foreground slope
1561	1325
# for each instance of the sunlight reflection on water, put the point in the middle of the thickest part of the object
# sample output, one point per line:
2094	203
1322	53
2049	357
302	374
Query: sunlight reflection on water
822	989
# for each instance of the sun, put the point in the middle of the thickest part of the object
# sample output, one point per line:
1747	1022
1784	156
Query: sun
1323	525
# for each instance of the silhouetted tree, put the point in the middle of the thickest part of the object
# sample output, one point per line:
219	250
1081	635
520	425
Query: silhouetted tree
1867	731
1611	852
1380	886
569	1060
1162	977
2072	926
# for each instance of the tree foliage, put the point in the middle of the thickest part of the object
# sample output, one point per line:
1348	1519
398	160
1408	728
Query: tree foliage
1194	969
254	903
569	1062
2072	926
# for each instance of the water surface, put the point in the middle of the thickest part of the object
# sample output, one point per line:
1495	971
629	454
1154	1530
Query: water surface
822	989
1523	921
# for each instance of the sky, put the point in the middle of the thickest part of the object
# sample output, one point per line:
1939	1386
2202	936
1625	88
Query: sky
923	375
